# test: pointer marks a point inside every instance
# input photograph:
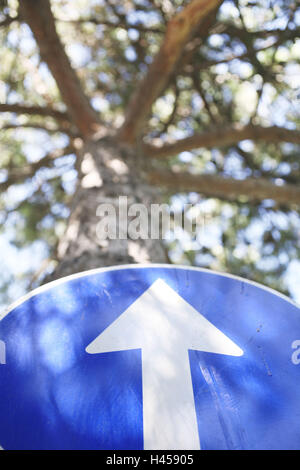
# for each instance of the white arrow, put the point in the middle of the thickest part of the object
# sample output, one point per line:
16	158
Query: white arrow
165	327
2	352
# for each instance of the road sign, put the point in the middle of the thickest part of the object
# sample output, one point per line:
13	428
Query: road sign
150	357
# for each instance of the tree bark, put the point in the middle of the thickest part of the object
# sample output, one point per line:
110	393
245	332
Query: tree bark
107	170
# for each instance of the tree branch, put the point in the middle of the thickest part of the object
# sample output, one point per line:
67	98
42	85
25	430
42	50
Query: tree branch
178	32
39	17
250	189
235	31
35	110
222	137
39	127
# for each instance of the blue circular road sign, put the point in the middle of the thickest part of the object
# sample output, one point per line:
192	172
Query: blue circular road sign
150	357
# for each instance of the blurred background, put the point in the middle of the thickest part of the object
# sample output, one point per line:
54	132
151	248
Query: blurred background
246	69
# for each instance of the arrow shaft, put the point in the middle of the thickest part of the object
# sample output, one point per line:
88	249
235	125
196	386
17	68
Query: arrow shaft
169	415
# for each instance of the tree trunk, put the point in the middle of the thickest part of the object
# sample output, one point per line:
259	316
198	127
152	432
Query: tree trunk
107	170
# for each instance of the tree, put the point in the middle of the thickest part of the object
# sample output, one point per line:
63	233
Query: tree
183	101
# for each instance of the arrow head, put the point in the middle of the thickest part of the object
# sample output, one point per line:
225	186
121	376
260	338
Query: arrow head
161	319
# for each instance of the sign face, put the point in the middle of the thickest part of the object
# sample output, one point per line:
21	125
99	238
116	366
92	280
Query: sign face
150	357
